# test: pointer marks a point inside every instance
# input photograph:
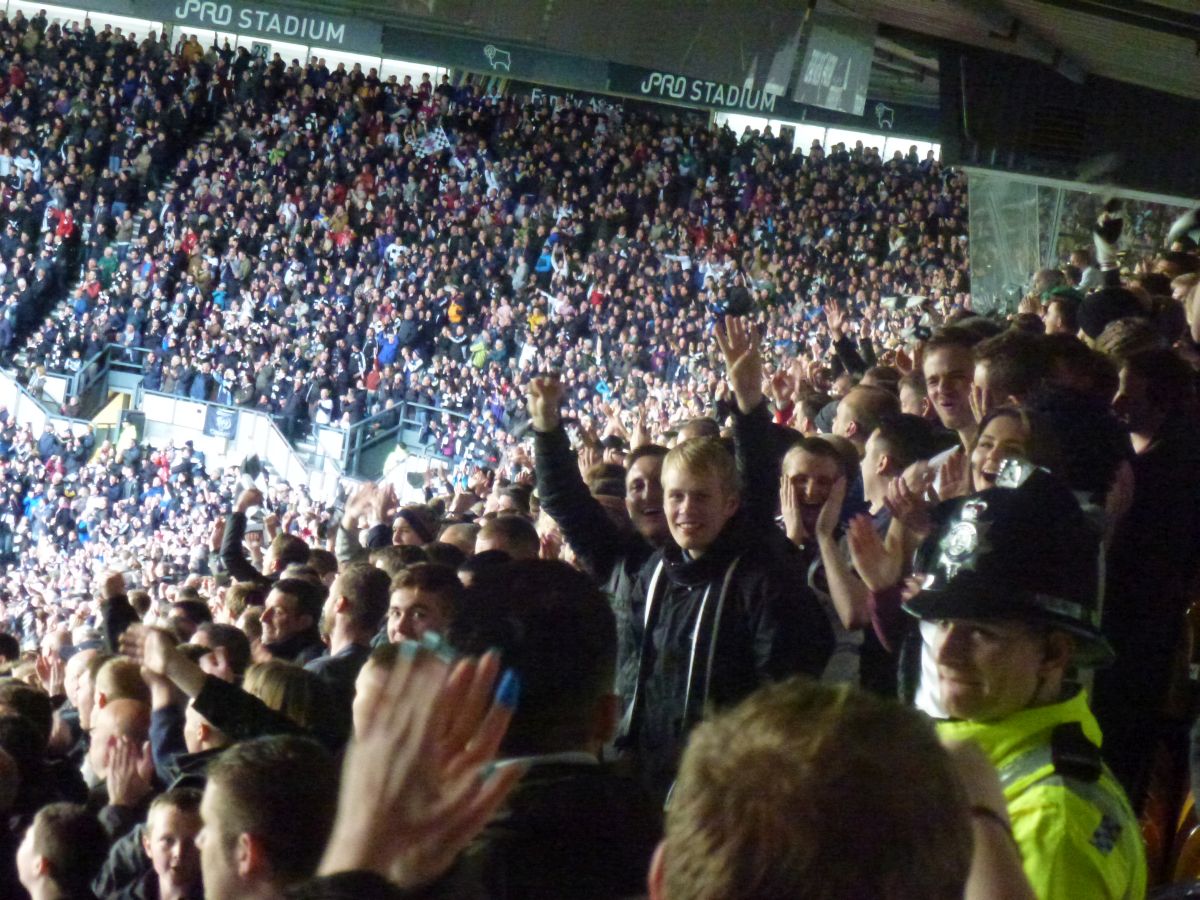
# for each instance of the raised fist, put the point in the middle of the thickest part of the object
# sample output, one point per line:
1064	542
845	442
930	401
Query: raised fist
544	399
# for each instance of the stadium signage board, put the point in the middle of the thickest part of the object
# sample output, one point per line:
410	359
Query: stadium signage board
498	58
701	92
636	81
259	20
221	421
837	64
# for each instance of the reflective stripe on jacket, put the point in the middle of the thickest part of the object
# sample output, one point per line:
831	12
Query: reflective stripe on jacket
1077	834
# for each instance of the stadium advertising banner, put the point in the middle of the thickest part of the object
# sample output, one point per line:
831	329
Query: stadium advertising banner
669	87
693	91
257	19
221	421
499	58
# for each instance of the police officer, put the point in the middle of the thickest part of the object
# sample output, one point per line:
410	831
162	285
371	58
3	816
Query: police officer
1010	591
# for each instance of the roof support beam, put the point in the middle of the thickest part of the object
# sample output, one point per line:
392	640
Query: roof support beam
1005	26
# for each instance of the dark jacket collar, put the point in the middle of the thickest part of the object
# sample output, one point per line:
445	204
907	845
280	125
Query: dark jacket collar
289	648
731	542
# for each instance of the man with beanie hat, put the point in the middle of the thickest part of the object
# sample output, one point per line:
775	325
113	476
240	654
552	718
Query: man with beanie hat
1010	591
414	525
1106	305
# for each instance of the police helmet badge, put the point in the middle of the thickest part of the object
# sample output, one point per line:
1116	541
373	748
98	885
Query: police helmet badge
962	543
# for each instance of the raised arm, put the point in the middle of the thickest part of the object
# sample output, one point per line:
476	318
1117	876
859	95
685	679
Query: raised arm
116	613
346	545
757	464
594	537
239	715
843	346
233	554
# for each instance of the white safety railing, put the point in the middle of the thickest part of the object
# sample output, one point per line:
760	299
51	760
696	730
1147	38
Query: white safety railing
176	418
170	418
25	409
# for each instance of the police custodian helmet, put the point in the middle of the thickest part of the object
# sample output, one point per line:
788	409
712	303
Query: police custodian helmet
1023	550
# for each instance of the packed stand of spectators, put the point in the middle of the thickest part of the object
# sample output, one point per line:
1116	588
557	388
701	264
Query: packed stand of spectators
962	597
89	122
72	505
344	244
846	565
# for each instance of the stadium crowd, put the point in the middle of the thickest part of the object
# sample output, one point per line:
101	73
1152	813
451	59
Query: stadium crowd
337	244
90	122
761	559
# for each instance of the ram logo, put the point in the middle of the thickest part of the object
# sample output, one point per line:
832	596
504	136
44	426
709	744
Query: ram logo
497	58
886	116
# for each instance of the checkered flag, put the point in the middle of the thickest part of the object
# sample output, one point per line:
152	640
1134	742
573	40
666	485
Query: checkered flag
435	140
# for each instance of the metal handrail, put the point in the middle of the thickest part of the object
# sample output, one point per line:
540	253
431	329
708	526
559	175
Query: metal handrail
49	414
186	399
74	386
359	437
116	352
41	406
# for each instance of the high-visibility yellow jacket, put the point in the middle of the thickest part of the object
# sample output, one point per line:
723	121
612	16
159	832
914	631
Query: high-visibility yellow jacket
1078	836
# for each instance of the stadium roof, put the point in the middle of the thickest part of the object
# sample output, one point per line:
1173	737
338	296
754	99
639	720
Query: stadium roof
1153	43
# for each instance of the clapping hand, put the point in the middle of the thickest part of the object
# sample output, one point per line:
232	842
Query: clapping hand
152	647
909	503
589	455
359	503
416	786
130	772
384	505
51	671
875	565
160	656
955	476
831	510
793	521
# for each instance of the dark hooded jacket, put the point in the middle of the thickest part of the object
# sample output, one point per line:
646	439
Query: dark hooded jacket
712	630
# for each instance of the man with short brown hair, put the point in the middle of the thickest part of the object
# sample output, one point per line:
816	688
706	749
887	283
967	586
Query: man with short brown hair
61	853
353	612
267	812
786	794
860	412
423	598
289	621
